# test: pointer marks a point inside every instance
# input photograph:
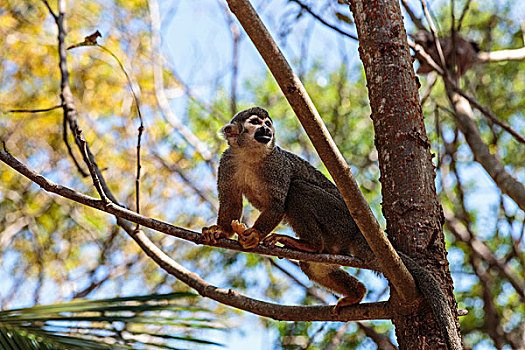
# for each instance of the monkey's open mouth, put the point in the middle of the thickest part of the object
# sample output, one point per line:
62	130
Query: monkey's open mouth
263	135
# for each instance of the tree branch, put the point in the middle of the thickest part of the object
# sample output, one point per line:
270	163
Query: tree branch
433	30
481	251
321	20
295	93
40	110
501	55
229	297
430	61
464	116
505	181
416	20
169	229
53	14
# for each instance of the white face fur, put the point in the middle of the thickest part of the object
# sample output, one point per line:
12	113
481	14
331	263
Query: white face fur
261	128
254	133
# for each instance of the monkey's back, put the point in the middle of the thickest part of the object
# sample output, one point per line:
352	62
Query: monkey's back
316	210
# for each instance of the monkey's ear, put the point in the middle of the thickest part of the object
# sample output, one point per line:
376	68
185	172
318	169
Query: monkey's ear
230	130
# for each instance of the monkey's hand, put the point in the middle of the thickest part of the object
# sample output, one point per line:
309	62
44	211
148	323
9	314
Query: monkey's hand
238	227
290	242
212	233
250	238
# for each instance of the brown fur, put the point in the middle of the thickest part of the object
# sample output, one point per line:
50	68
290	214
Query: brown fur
281	186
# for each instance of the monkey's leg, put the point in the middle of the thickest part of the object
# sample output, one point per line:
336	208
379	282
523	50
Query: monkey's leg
333	278
290	242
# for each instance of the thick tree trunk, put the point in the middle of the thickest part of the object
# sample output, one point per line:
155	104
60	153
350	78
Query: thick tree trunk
414	216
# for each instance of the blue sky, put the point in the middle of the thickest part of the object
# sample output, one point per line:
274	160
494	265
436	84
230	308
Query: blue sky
196	42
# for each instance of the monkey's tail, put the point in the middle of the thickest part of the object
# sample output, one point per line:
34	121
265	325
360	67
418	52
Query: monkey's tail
438	301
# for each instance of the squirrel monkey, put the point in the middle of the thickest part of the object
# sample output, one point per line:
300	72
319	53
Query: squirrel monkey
281	186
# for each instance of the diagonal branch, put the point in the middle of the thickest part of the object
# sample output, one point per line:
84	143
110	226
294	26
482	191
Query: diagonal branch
295	93
229	297
416	20
53	14
164	227
465	118
484	111
433	30
505	181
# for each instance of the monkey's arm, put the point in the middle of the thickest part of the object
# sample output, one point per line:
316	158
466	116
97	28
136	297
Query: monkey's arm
230	203
264	225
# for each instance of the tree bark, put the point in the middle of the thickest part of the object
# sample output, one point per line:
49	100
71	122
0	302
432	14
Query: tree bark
414	216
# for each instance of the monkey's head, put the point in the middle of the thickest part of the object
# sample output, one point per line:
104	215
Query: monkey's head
251	129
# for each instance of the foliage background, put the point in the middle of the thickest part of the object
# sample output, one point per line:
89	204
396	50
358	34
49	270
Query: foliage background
54	250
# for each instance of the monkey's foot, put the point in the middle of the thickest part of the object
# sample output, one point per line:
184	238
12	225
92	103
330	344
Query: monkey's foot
212	233
349	300
289	242
238	227
250	238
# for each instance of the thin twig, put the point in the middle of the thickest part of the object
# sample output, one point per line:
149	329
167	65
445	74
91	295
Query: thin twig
320	19
55	17
417	21
489	114
128	78
93	172
40	110
433	30
463	13
139	167
426	94
70	150
140	128
453	56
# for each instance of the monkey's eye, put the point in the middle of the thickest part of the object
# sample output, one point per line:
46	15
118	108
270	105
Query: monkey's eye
268	124
255	122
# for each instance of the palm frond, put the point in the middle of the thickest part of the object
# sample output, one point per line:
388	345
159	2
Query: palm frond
155	321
